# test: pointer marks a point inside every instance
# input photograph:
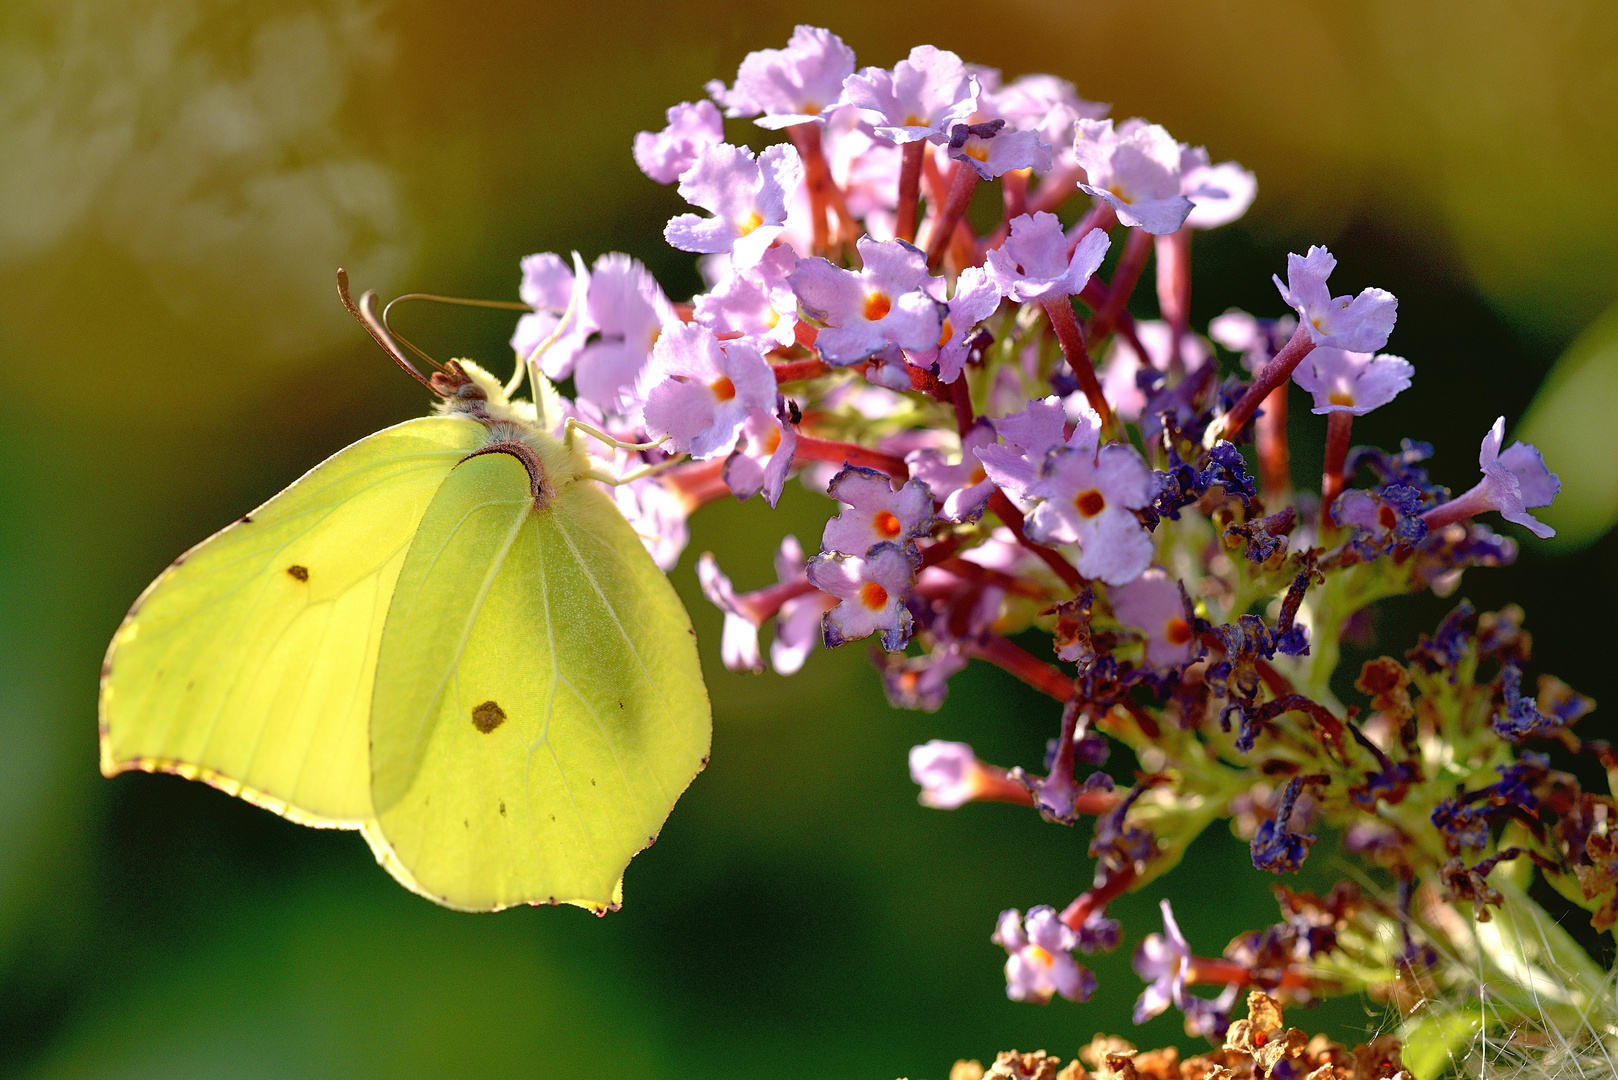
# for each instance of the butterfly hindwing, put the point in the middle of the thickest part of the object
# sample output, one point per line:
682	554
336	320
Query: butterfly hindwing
249	662
539	705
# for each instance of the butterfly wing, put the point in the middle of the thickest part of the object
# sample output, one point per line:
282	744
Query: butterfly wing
539	706
248	663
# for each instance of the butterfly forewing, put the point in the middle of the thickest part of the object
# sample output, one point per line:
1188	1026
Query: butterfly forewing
548	708
249	662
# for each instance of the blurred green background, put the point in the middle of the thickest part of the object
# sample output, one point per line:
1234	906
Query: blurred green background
180	178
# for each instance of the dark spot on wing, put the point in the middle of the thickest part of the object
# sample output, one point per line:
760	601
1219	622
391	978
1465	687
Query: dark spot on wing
467	822
488	716
592	782
299	572
704	761
553	817
247	519
502	808
620	704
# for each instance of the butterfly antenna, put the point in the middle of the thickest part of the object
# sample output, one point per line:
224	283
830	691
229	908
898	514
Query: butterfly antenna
575	302
374	326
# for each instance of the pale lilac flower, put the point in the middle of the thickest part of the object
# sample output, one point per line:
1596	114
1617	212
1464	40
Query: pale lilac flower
1040	961
948	773
693	127
1090	500
977	296
875	513
993	149
747	197
763	455
1135	170
788	86
797	623
922	682
738	641
1153	604
872	589
1351	382
964	486
1357	323
757	303
699	391
1258	340
1513	483
1120	371
626	309
863	313
1029	436
1034	264
923	97
547	287
1162	960
658	516
1219	193
1045	105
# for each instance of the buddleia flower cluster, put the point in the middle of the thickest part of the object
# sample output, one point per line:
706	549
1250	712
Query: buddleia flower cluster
1011	450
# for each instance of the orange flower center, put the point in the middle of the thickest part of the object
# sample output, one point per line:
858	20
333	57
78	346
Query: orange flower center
749	223
772	441
1386	518
978	476
948	332
1090	503
886	524
1040	956
1341	397
723	388
1120	194
877	306
1177	631
978	150
873	596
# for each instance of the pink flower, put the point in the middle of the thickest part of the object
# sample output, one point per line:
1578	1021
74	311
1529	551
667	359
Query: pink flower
1045	105
757	302
747	197
976	298
921	98
1356	323
1153	604
875	514
1351	382
993	149
1029	436
738	641
627	310
1513	483
1089	500
763	456
1040	961
700	392
1219	193
1034	264
658	517
797	623
692	128
547	287
1135	170
871	589
862	313
788	86
1258	340
949	774
965	486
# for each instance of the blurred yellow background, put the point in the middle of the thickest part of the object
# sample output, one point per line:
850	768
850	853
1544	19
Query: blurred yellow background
179	179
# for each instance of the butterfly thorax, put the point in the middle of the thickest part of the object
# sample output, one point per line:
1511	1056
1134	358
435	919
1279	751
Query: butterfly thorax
510	426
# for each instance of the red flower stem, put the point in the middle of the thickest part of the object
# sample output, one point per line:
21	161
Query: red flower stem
1174	289
1231	973
1338	427
941	551
762	604
1012	518
909	189
1463	506
1014	192
1066	325
1109	888
1057	188
1046	678
1095	295
817	178
800	370
1100	217
845	453
961	187
1137	248
971	571
995	786
1275	373
961	397
1274	457
697	484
